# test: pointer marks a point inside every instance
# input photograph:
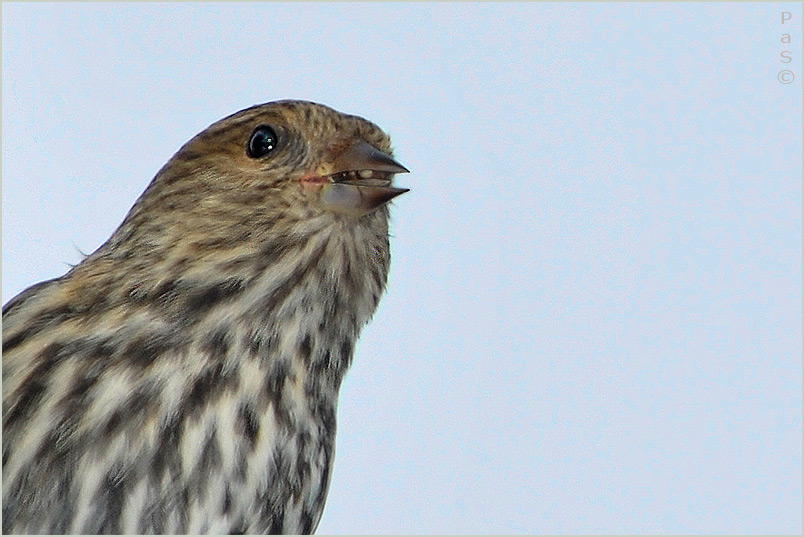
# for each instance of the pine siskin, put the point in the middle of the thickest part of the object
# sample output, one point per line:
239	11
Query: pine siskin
184	377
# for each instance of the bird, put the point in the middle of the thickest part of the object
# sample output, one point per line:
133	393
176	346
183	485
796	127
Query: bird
184	377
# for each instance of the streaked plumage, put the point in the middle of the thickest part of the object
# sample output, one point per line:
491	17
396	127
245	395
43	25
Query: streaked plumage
184	377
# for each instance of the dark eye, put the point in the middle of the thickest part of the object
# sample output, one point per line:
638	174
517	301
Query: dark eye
263	140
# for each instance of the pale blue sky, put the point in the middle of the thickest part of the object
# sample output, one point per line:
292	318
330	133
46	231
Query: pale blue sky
593	319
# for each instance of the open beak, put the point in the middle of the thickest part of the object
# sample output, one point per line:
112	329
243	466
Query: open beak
361	180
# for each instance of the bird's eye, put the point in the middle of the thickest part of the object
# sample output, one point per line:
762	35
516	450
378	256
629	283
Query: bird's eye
263	140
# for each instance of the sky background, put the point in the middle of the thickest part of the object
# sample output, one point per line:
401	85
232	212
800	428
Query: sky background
593	317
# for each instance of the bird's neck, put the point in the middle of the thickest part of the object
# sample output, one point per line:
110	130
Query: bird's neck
308	304
299	293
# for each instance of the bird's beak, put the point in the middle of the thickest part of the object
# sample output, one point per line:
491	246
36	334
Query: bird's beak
360	180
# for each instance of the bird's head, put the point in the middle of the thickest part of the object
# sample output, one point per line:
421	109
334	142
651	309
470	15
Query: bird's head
303	156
